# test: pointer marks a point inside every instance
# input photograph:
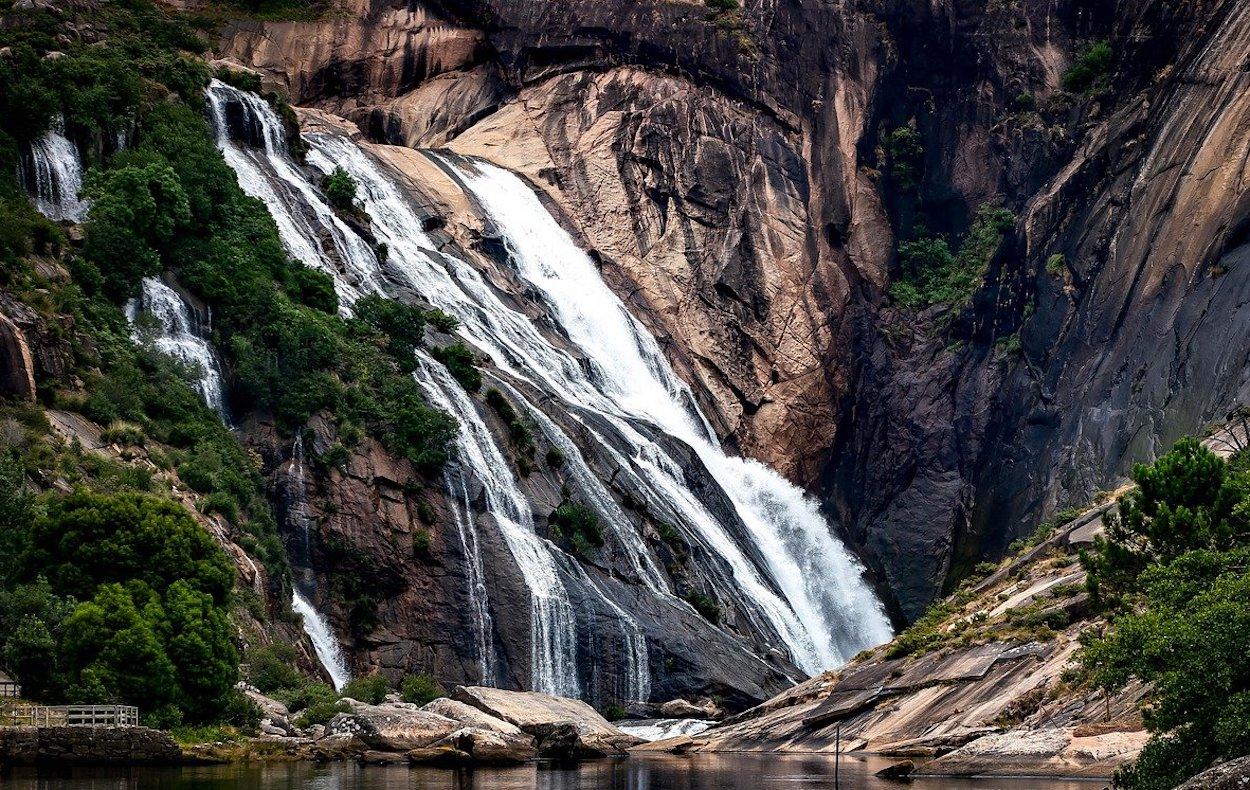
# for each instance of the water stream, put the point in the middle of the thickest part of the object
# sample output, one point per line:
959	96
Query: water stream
52	172
785	570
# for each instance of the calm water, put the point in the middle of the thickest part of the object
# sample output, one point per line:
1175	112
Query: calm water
702	772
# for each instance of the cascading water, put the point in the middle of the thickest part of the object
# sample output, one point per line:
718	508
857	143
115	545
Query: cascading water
825	612
788	574
329	653
51	172
178	333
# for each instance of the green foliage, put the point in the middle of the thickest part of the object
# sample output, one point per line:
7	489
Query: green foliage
931	274
442	321
371	689
704	604
135	216
555	457
722	5
1186	500
340	189
273	668
1056	263
923	634
420	689
152	627
615	713
904	149
461	364
578	523
84	540
519	432
321	713
1092	71
421	542
1175	564
247	81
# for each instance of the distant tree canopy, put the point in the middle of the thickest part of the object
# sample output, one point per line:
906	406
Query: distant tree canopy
1174	574
117	598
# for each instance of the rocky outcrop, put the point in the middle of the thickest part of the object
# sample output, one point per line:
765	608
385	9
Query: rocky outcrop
562	728
1232	775
87	746
986	693
392	726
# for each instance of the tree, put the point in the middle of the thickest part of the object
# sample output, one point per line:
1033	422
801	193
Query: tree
1190	641
1184	501
86	539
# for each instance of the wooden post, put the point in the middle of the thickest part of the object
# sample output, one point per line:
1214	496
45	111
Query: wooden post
837	757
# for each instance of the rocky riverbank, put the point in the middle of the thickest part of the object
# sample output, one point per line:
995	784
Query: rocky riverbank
983	685
473	726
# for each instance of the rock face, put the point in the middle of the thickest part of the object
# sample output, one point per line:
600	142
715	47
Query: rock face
87	746
728	170
987	697
562	728
392	727
1232	775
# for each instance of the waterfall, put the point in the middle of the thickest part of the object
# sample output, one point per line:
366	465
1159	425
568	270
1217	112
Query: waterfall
51	172
825	612
178	334
767	548
329	653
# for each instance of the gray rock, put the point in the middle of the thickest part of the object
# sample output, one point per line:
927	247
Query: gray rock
1232	775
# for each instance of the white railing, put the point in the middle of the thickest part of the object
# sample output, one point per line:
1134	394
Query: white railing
73	716
9	688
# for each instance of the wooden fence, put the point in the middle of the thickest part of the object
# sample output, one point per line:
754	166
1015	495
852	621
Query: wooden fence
72	716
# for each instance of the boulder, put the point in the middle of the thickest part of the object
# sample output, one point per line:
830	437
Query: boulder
901	770
683	709
470	716
443	756
1232	775
485	747
564	728
392	727
374	757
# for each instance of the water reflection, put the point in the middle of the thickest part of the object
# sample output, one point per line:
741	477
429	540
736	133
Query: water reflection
702	772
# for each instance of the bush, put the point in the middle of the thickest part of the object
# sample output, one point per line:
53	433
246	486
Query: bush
421	689
340	189
723	5
705	605
321	713
461	364
904	149
1092	71
577	522
273	668
372	689
932	274
555	457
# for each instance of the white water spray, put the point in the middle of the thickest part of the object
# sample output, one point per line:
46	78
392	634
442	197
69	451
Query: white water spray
179	334
52	174
329	653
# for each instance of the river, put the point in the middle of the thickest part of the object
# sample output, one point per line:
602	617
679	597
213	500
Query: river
700	772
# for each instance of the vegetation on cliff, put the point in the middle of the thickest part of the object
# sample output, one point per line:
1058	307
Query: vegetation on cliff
1174	574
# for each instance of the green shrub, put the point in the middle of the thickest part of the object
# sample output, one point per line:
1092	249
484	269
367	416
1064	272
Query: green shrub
246	81
420	689
723	5
555	457
705	605
615	712
421	542
320	713
443	322
904	149
1056	263
576	522
1092	71
336	456
461	364
340	189
932	274
273	668
371	689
